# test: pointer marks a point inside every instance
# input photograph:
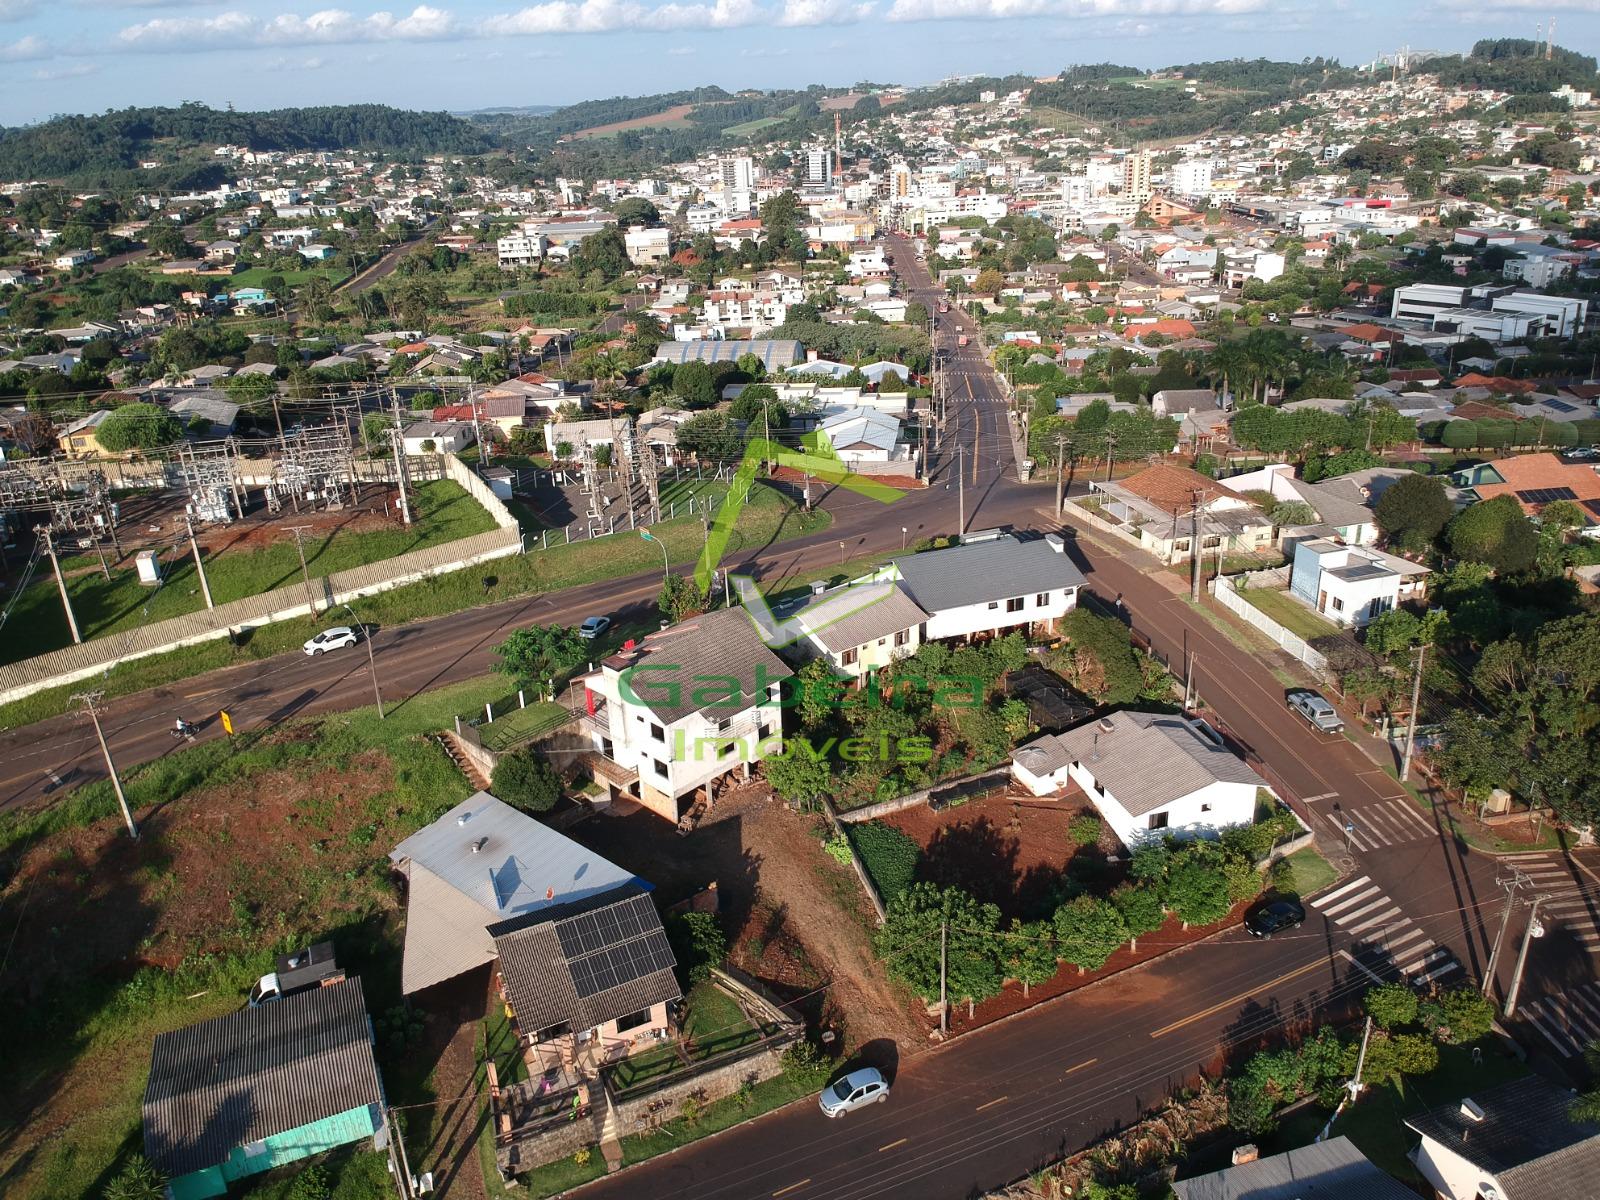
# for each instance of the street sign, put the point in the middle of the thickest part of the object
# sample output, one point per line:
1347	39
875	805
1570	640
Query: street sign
227	722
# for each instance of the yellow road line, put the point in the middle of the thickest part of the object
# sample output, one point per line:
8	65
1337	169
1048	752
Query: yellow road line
792	1187
892	1145
991	1103
1232	1000
1088	1062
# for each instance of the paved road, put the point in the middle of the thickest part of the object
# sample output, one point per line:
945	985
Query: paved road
385	265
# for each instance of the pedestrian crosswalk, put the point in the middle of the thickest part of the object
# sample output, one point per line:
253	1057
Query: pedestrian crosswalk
1390	939
1571	898
1387	823
1568	1021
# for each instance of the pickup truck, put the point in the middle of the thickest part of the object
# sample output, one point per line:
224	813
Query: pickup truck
301	971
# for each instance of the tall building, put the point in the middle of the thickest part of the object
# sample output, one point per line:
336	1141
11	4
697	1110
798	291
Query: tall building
899	181
1136	175
819	166
1192	177
738	174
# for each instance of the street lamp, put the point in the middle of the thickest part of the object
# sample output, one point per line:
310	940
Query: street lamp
372	664
650	537
902	537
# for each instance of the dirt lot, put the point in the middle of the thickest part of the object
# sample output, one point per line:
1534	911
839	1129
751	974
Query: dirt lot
1006	849
667	116
795	919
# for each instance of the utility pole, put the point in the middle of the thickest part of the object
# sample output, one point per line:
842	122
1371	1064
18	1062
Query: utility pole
398	443
1061	478
944	999
1195	554
1517	880
199	566
305	571
1361	1060
1411	722
66	601
961	489
90	699
1528	935
1188	683
1110	456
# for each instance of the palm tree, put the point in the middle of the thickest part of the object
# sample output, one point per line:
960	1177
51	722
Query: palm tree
1226	362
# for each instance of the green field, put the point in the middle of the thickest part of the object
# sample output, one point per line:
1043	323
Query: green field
254	276
1290	613
767	518
749	127
445	513
1059	119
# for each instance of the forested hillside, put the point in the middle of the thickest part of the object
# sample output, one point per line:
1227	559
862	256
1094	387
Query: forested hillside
1516	65
95	149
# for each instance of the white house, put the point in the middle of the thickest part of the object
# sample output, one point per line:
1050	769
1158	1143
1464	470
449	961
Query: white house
646	246
863	438
1148	774
442	437
857	631
1342	503
1514	1141
1350	585
990	585
673	715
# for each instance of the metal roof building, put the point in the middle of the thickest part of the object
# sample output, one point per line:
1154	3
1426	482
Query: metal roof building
482	863
775	355
243	1093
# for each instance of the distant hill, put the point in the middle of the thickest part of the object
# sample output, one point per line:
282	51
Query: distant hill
1516	65
98	149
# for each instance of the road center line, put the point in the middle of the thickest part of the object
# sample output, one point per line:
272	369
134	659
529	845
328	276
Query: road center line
1088	1062
1232	1000
793	1186
892	1145
991	1103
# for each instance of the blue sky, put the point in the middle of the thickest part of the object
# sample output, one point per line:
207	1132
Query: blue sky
61	56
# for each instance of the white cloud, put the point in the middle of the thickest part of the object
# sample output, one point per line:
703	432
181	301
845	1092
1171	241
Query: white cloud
824	12
27	49
15	10
144	3
952	10
608	16
70	71
681	51
331	26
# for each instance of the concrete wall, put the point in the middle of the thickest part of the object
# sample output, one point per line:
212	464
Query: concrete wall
883	808
1290	643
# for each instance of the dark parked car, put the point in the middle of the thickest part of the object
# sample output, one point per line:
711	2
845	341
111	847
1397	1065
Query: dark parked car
1275	916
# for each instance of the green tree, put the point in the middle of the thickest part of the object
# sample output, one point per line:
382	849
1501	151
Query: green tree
1391	1005
800	777
1031	953
698	944
1089	931
679	599
138	427
525	779
1141	909
1413	510
1197	890
1458	1015
908	942
693	383
780	221
1494	532
537	653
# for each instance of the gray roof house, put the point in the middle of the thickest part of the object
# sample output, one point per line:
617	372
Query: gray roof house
1147	773
261	1087
775	354
858	627
990	583
1173	402
1514	1142
481	864
586	963
1330	1170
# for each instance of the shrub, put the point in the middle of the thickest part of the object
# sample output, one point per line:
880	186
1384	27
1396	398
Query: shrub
525	779
1197	890
1141	909
1391	1005
807	1064
698	944
1244	881
1084	829
838	849
1457	1016
310	1184
890	856
139	1180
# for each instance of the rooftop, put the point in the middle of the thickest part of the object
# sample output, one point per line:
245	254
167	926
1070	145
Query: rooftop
1330	1170
977	572
713	661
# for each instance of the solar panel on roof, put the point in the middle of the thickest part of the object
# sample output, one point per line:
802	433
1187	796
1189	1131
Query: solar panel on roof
1593	506
1546	495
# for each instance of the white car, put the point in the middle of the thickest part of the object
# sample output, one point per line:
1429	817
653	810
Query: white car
336	638
855	1090
593	627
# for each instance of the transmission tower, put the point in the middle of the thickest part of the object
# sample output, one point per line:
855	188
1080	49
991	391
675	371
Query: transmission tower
316	465
596	515
652	483
211	477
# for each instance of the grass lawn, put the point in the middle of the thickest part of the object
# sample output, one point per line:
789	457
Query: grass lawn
1376	1124
1307	873
76	1064
768	517
522	725
254	276
750	127
713	1024
445	513
1291	614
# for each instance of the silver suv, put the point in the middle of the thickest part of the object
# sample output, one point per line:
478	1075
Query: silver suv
1316	709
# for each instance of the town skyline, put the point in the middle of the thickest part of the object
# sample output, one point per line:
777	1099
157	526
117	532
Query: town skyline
461	58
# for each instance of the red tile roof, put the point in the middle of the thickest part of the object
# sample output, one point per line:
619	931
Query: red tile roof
1529	472
1172	489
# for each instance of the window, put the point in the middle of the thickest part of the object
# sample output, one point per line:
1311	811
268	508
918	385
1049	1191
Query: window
1211	542
881	641
1181	547
657	732
994	604
1042	599
1338	604
1014	605
723	724
660	768
1158	820
551	1032
848	657
633	1020
1205	808
901	638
